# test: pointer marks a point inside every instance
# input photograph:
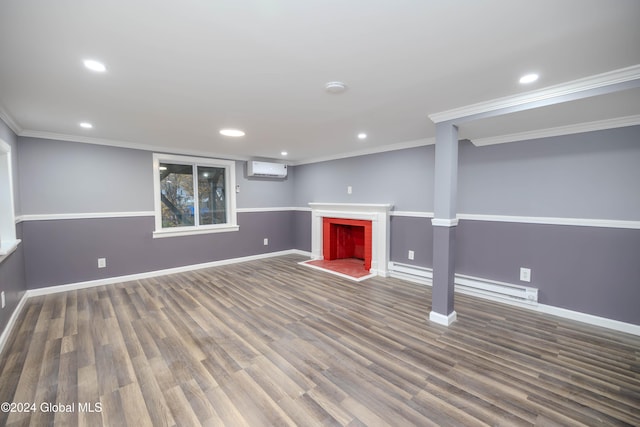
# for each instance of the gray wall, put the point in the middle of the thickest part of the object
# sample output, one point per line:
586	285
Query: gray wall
263	192
61	177
12	270
58	177
588	269
411	234
590	175
587	175
403	178
66	251
69	177
301	227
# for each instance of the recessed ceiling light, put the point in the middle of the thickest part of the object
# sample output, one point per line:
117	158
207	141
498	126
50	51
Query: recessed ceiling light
529	78
362	135
231	132
335	87
284	153
86	125
95	65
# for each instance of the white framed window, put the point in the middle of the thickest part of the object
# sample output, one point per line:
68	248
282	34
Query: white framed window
8	241
193	195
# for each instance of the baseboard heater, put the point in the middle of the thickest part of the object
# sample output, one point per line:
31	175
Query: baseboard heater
469	285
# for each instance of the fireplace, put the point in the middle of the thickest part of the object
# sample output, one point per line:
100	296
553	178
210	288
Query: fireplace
340	230
346	238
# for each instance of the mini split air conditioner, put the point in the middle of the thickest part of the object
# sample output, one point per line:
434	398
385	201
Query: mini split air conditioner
266	169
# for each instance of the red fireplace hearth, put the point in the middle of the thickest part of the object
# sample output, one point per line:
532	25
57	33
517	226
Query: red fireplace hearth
346	238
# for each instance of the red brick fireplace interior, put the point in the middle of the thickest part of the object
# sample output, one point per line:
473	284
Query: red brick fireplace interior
348	240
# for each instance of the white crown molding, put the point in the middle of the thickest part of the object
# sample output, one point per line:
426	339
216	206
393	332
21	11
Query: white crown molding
585	84
373	150
126	144
162	149
560	130
13	125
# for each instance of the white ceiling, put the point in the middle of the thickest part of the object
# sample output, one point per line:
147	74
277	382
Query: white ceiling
178	71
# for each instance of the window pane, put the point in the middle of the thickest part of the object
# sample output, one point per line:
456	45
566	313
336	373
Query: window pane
176	193
211	195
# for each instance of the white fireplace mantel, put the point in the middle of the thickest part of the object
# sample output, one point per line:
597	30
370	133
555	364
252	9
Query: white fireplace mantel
378	214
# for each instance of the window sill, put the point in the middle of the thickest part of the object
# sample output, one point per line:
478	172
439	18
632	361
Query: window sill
193	232
7	247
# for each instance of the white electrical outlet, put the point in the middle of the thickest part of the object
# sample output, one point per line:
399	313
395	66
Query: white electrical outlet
411	255
102	262
266	241
349	189
4	302
525	274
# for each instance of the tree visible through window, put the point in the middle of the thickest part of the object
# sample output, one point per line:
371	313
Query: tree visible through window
176	194
193	192
211	195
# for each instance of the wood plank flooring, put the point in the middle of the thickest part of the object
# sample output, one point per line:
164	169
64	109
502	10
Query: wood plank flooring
270	343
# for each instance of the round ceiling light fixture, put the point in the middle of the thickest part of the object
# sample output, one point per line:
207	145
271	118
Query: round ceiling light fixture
362	135
94	65
232	132
335	87
528	78
86	125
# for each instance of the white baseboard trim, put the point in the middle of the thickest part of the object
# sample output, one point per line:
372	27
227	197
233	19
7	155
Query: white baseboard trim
12	321
138	276
410	273
590	319
423	276
441	319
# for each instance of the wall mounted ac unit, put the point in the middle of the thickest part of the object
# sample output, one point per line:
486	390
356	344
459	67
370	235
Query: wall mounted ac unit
266	169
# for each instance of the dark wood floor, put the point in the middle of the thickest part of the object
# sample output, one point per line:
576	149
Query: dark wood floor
273	343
